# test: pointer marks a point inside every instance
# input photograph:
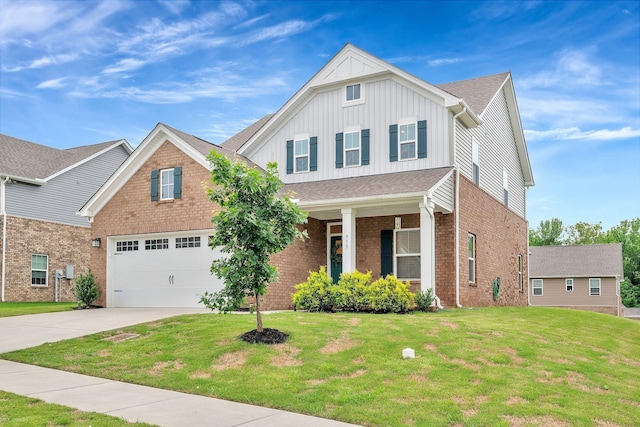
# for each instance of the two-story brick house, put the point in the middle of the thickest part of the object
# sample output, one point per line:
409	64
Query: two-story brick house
41	189
398	176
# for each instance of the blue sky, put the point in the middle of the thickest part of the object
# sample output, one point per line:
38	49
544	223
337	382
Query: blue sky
82	72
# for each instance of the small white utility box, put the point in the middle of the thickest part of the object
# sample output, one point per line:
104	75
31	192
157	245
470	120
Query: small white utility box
408	353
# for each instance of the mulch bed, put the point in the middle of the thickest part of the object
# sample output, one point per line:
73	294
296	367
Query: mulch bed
267	336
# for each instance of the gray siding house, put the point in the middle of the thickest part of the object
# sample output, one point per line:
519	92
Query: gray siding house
41	188
585	277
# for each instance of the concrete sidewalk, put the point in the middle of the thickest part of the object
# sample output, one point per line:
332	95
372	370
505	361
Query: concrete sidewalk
129	401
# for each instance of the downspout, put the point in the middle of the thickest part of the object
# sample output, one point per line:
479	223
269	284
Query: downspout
3	181
428	202
457	202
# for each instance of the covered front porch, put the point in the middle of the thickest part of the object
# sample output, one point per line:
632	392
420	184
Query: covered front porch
383	224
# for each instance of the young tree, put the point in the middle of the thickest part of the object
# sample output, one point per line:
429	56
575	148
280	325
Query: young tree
548	233
254	222
584	233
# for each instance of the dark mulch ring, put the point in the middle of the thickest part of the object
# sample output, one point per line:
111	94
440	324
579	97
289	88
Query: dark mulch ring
86	307
267	336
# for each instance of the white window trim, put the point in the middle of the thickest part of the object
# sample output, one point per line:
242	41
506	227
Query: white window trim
475	160
358	101
470	258
161	184
46	272
599	287
396	255
296	138
566	285
533	287
352	129
520	282
403	122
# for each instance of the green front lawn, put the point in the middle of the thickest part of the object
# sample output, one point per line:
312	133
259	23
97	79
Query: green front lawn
21	411
494	366
20	308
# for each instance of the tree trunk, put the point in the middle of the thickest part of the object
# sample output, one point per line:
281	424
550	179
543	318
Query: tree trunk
258	315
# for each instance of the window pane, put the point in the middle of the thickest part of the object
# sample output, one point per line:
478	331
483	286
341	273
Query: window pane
353	92
408	267
38	277
408	242
302	164
408	132
472	271
408	151
38	262
352	140
302	147
353	158
471	246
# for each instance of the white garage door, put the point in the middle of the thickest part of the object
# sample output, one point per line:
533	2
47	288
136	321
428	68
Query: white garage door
170	270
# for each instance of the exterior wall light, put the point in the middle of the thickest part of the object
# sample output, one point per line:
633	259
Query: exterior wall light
96	242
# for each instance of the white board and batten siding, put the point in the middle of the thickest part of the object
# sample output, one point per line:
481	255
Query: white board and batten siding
386	102
62	196
498	152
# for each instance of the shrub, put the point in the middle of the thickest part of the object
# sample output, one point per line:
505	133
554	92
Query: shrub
318	293
390	295
86	290
424	299
353	291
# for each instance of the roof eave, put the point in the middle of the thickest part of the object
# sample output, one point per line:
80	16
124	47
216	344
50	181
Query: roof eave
17	178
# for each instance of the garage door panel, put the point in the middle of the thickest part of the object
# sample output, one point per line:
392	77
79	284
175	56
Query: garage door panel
171	277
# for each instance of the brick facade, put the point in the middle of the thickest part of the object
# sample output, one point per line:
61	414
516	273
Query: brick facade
501	236
64	245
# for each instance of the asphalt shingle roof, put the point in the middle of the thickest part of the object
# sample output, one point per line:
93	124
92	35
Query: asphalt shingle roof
477	92
604	260
29	160
368	186
239	139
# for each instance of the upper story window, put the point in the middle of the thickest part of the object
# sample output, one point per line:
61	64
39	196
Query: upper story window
568	283
536	286
39	269
301	154
407	252
594	287
475	160
352	147
505	186
167	183
407	141
353	92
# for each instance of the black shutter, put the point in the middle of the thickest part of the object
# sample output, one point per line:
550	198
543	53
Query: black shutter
289	156
313	153
339	150
364	134
177	182
422	139
386	252
154	186
393	143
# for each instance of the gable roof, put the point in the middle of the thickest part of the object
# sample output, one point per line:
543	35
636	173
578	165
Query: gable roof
354	64
36	164
477	92
238	140
196	148
603	260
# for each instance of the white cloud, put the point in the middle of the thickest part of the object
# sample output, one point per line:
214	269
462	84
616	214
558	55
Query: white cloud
22	19
443	61
572	67
123	65
52	84
574	133
175	6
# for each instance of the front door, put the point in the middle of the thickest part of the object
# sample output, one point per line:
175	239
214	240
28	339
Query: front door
335	256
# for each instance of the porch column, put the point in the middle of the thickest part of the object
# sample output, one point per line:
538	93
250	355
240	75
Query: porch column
348	240
427	246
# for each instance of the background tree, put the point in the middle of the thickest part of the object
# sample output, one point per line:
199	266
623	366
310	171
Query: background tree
584	233
548	233
254	222
628	233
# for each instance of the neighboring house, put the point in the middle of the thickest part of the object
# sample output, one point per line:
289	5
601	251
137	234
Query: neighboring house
398	176
585	277
41	189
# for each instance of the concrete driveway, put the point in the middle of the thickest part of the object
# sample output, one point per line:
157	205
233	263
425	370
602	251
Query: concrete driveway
18	332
